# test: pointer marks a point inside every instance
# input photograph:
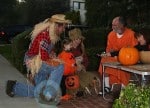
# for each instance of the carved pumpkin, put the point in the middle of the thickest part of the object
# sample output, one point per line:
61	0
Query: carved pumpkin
128	56
72	82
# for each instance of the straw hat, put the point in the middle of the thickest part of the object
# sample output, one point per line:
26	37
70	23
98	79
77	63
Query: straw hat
75	34
59	18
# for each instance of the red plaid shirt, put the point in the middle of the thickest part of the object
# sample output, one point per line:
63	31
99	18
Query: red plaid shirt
41	43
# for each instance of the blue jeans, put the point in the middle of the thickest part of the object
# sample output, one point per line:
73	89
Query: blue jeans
48	77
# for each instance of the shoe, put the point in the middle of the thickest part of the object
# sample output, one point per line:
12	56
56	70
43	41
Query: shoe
107	90
9	87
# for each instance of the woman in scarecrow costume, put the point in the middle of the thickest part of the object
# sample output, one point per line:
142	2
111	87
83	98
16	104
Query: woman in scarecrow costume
46	69
78	49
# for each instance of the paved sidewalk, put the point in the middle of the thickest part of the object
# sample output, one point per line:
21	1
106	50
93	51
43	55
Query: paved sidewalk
8	72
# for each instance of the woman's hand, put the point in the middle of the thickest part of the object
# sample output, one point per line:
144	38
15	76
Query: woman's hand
79	59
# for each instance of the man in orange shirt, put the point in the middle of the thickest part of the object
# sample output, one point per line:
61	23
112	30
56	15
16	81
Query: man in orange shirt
119	37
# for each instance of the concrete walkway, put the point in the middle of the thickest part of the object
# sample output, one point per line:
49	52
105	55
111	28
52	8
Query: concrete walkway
8	72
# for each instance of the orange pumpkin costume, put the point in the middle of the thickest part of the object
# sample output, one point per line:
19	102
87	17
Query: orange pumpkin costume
69	62
69	69
115	44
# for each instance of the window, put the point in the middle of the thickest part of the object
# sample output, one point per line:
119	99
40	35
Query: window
78	5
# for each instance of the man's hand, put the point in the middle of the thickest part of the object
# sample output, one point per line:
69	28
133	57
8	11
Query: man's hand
54	62
104	54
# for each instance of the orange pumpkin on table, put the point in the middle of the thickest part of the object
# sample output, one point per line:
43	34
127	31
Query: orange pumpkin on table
72	82
128	56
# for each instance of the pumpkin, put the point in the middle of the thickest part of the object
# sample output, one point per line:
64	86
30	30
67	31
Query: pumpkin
128	56
72	82
144	56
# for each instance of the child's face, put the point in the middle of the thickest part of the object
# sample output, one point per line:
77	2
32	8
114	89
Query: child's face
141	40
68	47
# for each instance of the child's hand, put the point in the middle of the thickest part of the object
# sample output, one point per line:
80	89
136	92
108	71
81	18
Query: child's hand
79	59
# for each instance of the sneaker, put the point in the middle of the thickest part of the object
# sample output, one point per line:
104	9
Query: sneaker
9	87
107	90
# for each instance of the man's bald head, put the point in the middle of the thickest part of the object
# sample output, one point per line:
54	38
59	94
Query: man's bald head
120	20
118	24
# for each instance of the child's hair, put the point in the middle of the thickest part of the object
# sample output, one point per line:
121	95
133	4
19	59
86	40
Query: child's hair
145	32
66	41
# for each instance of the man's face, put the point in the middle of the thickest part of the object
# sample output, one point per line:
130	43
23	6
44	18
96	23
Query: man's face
117	26
60	28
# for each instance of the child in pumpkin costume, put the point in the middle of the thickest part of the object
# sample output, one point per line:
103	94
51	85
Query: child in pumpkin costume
69	64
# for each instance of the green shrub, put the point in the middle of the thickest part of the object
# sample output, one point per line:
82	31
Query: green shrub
133	97
94	60
95	37
19	46
74	16
95	41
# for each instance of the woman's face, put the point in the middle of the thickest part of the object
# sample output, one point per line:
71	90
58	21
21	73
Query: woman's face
76	42
141	40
